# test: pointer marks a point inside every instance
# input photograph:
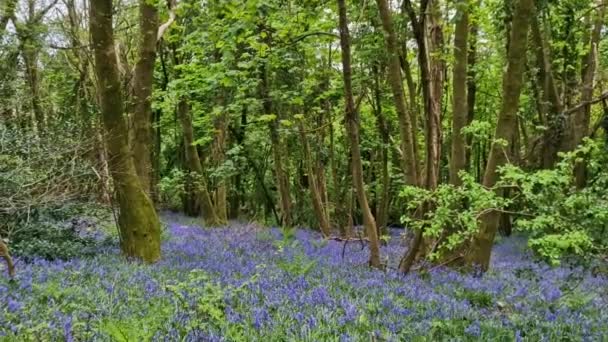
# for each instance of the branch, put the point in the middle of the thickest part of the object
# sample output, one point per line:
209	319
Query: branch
586	103
161	30
310	34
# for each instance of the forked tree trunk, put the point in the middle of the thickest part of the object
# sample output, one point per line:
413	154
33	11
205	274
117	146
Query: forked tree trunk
481	247
352	128
409	159
138	222
143	135
458	161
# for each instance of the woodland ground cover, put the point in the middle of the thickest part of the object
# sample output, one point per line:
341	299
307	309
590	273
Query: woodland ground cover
248	283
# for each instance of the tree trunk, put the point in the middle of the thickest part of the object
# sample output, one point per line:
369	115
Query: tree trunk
219	157
409	160
138	222
471	84
481	246
582	117
313	184
551	102
383	130
142	137
459	97
281	176
193	162
434	36
352	127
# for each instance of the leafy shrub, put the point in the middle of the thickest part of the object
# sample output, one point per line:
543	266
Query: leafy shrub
55	240
454	212
561	219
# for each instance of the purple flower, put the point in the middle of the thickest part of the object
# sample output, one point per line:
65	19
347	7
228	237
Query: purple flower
473	329
13	305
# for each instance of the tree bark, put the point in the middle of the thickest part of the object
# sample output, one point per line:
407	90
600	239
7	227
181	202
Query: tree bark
138	222
459	97
313	184
409	160
582	117
471	84
282	178
383	129
143	134
481	246
352	127
193	161
550	99
434	36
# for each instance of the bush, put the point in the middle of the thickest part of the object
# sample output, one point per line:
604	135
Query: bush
561	219
79	237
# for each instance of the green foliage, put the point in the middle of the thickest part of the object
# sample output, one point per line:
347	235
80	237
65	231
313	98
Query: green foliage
561	219
453	212
171	189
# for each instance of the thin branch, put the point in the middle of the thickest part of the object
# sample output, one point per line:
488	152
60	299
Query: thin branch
171	4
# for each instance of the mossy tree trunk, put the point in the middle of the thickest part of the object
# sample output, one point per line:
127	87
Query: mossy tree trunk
137	219
143	135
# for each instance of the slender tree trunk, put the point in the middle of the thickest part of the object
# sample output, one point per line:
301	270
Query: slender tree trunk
4	253
471	84
352	127
138	222
219	157
409	160
582	117
481	247
313	184
281	176
434	36
383	130
551	102
143	134
193	161
459	97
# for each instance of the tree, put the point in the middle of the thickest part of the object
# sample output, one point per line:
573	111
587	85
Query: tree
142	137
459	97
410	164
506	128
351	119
137	219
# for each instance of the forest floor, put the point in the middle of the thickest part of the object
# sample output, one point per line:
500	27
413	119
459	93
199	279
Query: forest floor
245	283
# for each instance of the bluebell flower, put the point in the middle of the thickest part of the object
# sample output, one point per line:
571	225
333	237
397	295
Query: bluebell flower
473	329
